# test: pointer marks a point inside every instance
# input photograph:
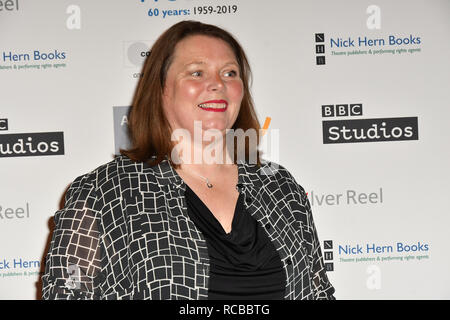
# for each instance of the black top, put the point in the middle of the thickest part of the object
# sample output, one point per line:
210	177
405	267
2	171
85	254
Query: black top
243	263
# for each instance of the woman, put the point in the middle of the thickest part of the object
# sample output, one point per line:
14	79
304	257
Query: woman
157	223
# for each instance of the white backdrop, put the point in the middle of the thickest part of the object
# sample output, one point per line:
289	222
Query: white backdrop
69	69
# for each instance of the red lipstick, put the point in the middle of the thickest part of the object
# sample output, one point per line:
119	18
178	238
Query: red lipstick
208	105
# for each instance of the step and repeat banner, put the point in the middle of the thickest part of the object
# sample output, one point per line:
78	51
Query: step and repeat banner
358	96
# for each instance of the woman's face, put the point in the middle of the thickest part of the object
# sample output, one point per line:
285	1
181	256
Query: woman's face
203	84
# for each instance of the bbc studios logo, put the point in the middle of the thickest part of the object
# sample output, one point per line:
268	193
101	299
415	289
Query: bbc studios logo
364	130
29	144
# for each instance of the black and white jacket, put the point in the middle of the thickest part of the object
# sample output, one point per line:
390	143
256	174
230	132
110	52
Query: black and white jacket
124	233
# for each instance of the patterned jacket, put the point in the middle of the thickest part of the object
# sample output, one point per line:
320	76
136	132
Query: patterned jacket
124	233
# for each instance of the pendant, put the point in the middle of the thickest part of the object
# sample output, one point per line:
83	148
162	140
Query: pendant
209	184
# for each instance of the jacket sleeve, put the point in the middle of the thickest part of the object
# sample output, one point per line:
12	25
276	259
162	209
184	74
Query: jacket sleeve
73	262
322	288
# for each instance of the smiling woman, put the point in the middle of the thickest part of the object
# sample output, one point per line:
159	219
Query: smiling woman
145	227
149	118
203	84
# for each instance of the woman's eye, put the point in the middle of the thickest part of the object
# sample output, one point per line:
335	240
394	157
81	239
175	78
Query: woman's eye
196	73
231	73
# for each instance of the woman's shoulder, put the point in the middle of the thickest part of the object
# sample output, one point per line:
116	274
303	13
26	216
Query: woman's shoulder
284	179
110	171
269	171
276	170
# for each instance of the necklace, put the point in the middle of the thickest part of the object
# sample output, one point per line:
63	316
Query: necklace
208	184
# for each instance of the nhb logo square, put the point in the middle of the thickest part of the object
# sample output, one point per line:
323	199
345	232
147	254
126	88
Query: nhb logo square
320	48
328	255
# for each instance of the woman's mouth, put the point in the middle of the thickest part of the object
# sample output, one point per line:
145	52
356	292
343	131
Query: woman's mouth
214	105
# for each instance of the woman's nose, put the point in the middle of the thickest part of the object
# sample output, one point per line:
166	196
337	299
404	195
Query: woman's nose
215	83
